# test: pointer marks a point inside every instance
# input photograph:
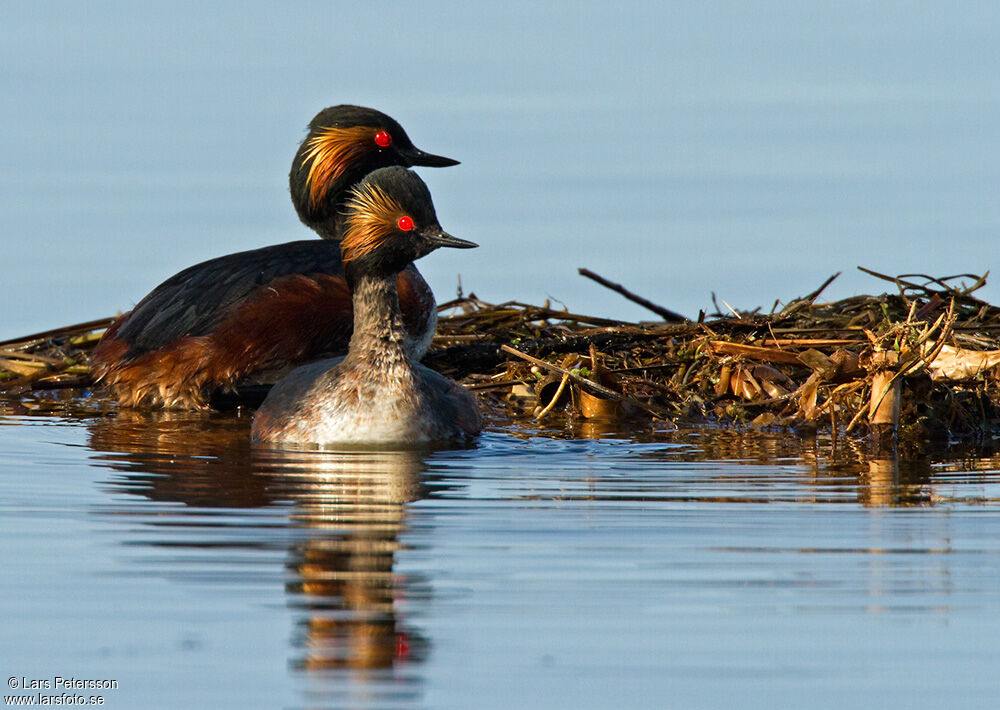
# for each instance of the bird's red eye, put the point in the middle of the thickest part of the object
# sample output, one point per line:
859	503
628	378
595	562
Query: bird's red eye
405	223
383	139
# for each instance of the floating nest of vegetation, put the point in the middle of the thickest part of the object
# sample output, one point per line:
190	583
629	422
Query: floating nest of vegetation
916	363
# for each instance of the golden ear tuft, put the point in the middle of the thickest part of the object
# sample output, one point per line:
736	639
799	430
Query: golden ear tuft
329	153
372	216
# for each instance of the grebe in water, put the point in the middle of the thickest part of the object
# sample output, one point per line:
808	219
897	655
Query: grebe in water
378	393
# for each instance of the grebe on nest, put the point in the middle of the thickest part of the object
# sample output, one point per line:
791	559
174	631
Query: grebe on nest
378	393
220	322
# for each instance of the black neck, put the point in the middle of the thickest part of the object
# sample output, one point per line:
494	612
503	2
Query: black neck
332	228
327	218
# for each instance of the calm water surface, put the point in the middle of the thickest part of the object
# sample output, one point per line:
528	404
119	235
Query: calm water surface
708	569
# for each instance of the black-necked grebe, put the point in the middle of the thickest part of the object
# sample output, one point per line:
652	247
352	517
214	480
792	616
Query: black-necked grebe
378	393
215	324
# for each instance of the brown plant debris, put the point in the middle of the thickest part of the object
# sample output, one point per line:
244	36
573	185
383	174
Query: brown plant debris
930	344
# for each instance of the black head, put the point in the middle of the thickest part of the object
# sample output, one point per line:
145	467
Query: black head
390	221
344	144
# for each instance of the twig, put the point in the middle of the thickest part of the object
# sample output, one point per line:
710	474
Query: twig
579	379
665	313
555	397
30	357
856	418
815	294
525	312
903	285
67	330
724	347
980	281
497	385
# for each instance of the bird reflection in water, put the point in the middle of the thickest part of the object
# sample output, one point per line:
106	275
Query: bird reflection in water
345	513
353	507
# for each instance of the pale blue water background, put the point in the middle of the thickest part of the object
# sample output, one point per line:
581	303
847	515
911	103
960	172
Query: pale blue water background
750	149
747	148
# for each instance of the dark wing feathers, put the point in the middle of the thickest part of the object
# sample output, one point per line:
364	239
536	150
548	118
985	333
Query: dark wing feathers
194	301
